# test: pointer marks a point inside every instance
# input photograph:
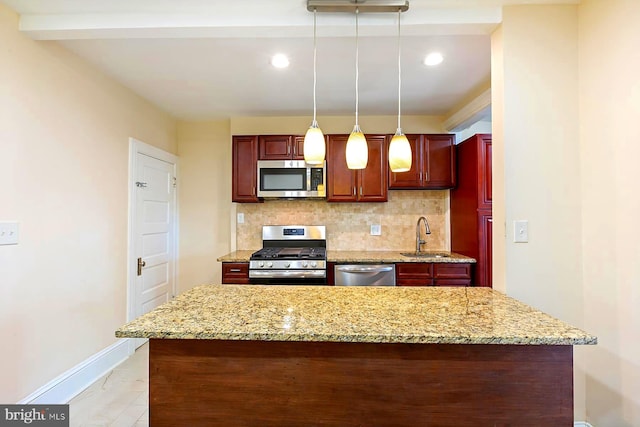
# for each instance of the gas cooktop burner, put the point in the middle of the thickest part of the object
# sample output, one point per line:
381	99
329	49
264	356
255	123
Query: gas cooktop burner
290	253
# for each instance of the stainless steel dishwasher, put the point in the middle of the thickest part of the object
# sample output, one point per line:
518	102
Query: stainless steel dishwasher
365	275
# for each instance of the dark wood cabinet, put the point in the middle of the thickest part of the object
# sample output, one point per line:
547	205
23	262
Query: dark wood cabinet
364	185
331	273
244	169
280	147
235	273
414	274
433	274
452	274
433	164
471	217
485	220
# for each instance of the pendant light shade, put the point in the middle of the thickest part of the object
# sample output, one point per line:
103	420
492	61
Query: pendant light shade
357	148
399	148
314	145
399	153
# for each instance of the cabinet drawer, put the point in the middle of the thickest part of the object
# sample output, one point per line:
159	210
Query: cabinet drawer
235	272
452	282
414	274
452	271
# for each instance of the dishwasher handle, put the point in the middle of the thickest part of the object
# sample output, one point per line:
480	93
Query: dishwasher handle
364	269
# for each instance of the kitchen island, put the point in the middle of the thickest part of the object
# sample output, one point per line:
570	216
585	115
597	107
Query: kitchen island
295	355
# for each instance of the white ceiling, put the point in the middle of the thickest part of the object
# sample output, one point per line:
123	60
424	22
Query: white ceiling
209	59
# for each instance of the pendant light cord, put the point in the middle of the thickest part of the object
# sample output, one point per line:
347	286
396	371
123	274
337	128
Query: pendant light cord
357	60
314	67
399	70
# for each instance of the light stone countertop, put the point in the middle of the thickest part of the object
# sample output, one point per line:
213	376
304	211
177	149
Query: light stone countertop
429	315
366	256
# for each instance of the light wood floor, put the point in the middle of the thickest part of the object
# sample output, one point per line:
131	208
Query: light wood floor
120	398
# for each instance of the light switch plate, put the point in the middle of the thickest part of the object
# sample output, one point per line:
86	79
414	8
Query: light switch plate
241	218
521	231
376	230
8	233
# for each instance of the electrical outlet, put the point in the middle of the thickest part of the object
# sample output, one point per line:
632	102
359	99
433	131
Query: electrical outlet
8	233
376	230
241	218
521	231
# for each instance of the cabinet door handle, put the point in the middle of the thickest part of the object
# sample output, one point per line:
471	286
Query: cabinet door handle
361	191
490	220
235	270
288	150
354	191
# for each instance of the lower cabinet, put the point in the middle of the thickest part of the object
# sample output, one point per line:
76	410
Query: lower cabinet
433	274
414	274
331	273
235	273
407	274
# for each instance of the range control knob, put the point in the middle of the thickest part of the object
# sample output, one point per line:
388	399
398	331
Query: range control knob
287	265
269	264
314	264
261	264
305	264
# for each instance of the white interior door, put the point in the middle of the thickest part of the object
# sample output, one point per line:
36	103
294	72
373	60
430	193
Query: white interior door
153	230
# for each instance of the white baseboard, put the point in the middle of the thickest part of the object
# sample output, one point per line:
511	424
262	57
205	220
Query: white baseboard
70	383
581	424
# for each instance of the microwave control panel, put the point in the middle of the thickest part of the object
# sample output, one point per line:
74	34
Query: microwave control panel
316	178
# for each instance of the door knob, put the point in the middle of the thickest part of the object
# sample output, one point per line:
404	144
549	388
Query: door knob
141	263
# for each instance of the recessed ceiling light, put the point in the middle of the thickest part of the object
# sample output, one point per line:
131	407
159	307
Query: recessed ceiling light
280	61
434	58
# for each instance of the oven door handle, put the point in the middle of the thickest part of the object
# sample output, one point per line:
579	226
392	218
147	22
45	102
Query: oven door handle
285	274
365	269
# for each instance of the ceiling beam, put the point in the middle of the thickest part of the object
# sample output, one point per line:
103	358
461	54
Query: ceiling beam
419	21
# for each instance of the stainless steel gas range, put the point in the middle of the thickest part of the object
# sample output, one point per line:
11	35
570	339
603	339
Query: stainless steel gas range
290	255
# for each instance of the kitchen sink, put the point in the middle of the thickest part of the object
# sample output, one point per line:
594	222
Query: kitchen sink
426	254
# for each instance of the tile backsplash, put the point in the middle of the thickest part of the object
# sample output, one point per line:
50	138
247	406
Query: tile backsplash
349	224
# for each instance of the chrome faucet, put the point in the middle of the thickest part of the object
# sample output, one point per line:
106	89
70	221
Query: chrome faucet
419	241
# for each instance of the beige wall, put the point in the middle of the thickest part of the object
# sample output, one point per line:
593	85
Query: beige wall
335	124
609	38
204	200
64	132
537	163
566	157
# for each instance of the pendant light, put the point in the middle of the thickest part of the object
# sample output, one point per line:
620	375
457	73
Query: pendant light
399	148
314	146
357	149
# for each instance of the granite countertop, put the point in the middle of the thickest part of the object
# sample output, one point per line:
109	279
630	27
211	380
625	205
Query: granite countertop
430	315
237	256
366	256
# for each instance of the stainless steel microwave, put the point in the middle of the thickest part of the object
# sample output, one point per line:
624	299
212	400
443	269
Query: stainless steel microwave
291	178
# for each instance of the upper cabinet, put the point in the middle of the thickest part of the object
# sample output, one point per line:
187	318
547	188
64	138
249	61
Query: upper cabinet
364	185
244	169
433	164
280	147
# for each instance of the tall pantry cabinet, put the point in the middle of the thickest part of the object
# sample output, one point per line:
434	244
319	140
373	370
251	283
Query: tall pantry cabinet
471	220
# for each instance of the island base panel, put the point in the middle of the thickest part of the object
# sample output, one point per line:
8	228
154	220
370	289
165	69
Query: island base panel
262	383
